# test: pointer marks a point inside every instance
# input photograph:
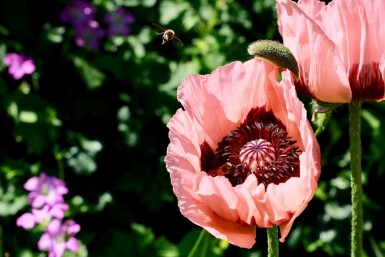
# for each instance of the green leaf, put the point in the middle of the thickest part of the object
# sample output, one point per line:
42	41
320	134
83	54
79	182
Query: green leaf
92	76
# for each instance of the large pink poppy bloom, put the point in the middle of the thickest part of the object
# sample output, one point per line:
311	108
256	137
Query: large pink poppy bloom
242	154
340	47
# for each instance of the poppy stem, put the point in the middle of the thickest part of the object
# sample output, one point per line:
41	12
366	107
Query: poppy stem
355	178
272	242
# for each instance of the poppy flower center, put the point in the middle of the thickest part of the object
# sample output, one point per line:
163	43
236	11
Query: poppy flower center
256	154
260	146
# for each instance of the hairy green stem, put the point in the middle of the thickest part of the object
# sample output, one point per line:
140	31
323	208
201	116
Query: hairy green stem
355	178
272	242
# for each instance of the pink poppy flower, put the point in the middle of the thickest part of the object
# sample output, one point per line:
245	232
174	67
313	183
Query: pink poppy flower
340	47
242	153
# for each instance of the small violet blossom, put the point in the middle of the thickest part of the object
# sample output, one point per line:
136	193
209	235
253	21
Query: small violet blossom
19	65
45	190
59	237
88	33
89	36
79	13
119	22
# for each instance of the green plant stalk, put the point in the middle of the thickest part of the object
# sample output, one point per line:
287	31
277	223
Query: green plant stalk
199	244
272	242
355	178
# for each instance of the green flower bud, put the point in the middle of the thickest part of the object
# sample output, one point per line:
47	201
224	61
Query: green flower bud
276	53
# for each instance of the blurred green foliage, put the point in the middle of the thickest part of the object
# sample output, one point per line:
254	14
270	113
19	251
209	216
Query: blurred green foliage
97	119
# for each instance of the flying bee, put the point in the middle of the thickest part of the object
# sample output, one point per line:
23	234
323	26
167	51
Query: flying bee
168	35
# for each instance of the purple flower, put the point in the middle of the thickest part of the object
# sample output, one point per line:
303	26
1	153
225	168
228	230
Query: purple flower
59	237
42	216
26	221
19	65
79	13
46	198
119	22
89	36
45	190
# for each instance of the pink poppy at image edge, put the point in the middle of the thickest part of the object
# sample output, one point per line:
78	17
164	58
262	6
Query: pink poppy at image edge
340	47
19	65
242	153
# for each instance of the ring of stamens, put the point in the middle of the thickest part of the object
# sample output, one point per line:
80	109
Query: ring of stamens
263	149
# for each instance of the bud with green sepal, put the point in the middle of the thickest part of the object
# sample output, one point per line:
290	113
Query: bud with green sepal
276	53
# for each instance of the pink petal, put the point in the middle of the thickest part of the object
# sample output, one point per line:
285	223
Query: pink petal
58	249
32	184
27	221
72	227
54	227
37	200
311	7
42	215
17	74
347	24
58	210
181	133
217	96
11	58
321	68
53	197
28	67
220	196
72	244
284	103
193	208
60	188
253	193
376	24
295	194
45	242
382	68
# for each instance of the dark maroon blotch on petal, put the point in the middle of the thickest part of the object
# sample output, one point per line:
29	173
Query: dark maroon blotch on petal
366	84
